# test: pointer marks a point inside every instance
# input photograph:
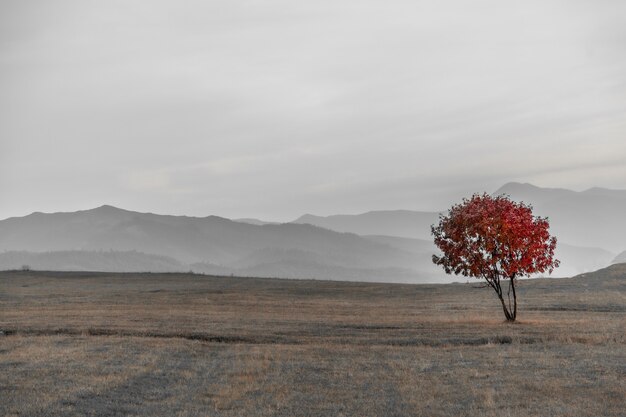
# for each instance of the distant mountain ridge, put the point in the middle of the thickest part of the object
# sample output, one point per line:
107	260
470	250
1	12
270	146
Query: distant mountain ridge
254	221
590	225
392	245
209	242
399	223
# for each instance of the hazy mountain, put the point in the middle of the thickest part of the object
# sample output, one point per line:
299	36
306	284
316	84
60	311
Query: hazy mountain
590	225
222	244
595	217
577	260
400	223
621	258
591	218
296	263
254	221
405	243
107	261
394	246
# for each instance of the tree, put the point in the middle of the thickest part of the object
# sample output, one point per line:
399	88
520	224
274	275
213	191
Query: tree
495	239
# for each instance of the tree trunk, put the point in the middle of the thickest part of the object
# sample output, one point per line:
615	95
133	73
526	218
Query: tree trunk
510	312
512	282
510	316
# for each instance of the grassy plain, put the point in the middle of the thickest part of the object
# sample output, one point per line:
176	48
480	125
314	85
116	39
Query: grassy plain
88	344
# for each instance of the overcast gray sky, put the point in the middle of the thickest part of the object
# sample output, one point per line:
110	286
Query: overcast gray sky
272	109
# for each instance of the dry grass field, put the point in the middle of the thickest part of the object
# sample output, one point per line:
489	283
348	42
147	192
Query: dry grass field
87	344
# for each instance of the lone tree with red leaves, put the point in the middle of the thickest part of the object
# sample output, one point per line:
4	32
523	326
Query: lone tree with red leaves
496	239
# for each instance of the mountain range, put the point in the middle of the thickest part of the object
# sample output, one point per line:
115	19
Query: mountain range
590	225
204	244
373	246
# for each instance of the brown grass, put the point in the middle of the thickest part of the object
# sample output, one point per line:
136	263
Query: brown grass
186	345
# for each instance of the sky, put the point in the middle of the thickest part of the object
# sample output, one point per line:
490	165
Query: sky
272	109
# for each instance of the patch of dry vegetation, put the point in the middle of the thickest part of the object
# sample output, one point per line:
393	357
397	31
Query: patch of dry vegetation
186	345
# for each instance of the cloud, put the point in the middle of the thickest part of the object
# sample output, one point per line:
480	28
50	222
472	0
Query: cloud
276	108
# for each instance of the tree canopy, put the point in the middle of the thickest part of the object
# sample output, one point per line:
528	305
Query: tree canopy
494	238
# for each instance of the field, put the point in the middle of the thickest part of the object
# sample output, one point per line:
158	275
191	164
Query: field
87	344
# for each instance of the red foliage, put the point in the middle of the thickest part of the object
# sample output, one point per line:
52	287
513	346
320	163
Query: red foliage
494	237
